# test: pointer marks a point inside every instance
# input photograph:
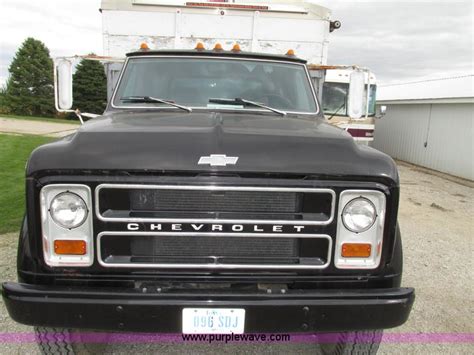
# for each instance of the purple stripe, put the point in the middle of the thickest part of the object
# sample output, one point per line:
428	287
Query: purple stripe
127	338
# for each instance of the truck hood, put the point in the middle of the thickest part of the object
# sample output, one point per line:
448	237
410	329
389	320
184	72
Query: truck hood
164	141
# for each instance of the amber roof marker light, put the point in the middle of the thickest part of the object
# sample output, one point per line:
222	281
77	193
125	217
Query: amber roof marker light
291	53
200	46
144	47
218	47
236	48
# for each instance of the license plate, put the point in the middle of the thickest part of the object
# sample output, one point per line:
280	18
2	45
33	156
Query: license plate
213	321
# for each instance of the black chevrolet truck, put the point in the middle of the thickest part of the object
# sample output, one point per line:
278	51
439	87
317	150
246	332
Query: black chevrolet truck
211	197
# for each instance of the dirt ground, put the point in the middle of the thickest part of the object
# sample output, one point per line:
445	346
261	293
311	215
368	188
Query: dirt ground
436	219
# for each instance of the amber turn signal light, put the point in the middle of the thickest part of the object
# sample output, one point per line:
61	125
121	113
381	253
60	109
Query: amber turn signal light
70	247
356	250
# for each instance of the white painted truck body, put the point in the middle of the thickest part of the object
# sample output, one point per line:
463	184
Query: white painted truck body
268	26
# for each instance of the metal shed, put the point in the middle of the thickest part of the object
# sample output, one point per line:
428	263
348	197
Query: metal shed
430	123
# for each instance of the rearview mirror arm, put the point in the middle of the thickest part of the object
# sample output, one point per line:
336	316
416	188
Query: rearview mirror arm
382	111
79	115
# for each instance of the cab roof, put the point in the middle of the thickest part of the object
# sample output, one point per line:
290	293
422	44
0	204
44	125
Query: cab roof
217	53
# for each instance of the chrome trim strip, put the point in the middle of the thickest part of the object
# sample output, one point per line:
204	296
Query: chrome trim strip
318	109
215	188
217	266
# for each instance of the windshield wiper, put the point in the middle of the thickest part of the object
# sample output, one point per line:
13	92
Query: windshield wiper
338	110
244	102
150	99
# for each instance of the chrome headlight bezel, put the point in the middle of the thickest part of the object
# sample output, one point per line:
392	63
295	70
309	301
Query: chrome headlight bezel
53	231
373	235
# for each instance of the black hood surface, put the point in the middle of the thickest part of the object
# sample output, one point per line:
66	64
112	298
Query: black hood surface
175	141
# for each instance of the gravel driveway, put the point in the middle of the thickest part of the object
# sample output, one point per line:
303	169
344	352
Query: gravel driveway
43	128
436	218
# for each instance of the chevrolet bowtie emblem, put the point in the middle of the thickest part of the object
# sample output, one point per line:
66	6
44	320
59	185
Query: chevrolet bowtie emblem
218	160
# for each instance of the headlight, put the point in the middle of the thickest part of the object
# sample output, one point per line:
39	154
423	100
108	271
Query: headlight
68	210
359	215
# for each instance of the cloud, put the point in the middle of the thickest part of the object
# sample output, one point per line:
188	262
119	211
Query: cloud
398	40
67	27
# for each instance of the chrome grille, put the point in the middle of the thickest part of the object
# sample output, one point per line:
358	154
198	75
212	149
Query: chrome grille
168	251
163	218
210	204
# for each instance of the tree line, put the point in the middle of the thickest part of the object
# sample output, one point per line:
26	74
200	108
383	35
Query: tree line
29	89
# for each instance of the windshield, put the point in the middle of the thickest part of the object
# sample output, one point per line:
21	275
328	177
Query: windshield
198	82
335	99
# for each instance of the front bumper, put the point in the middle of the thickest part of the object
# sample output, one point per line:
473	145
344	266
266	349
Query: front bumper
295	311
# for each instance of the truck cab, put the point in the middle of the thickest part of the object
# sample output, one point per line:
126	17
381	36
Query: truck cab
211	197
335	97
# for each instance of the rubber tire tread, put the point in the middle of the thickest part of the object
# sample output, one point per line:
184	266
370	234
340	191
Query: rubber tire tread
361	343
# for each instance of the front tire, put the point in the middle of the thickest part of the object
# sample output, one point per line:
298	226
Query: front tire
354	343
60	341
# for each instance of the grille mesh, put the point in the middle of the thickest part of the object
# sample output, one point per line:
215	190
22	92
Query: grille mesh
221	201
219	250
174	203
215	247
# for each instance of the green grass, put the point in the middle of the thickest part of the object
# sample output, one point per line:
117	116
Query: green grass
14	152
44	119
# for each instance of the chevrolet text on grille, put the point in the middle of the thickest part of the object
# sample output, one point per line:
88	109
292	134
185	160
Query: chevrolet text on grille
179	227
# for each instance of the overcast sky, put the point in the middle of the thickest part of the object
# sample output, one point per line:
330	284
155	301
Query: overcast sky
398	40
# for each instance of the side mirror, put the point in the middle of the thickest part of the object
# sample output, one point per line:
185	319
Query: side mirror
357	95
381	111
63	84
